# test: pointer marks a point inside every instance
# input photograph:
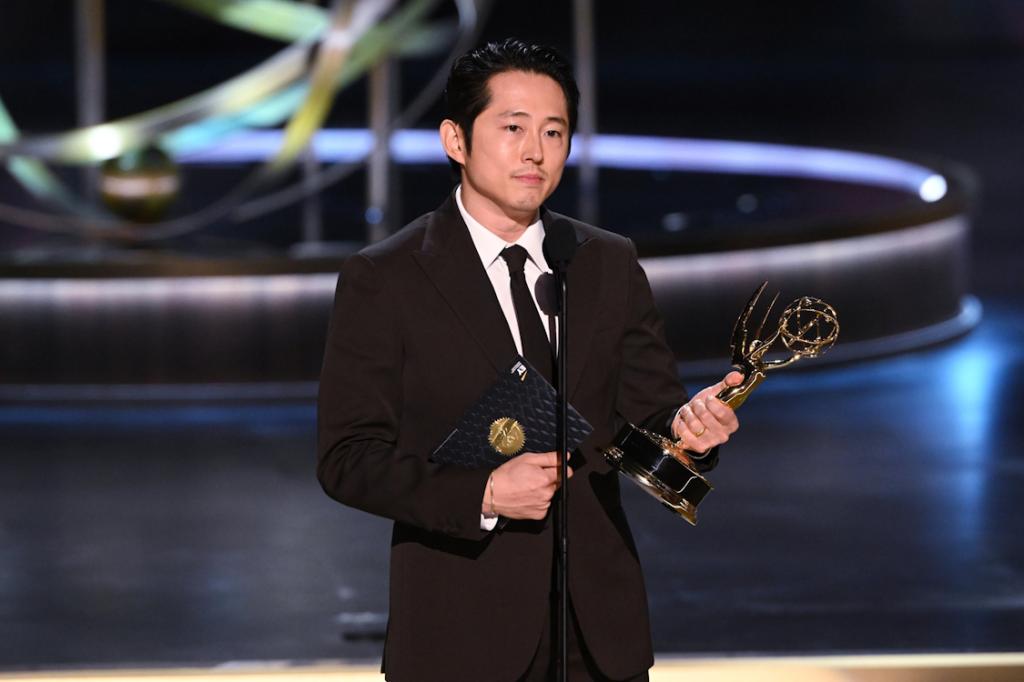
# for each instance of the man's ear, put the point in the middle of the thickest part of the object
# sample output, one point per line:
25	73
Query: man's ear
453	140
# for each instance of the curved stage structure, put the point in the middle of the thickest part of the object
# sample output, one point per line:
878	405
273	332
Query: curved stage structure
149	324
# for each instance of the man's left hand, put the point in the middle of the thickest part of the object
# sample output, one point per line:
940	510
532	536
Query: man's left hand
706	422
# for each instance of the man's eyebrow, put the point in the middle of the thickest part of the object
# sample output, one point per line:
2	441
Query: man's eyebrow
519	114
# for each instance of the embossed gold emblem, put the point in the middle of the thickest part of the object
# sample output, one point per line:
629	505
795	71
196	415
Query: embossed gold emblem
507	436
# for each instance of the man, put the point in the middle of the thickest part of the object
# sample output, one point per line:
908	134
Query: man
423	323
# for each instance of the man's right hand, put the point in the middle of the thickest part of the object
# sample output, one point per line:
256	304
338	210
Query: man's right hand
523	486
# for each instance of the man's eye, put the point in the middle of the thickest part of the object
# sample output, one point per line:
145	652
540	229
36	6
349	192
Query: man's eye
554	133
513	128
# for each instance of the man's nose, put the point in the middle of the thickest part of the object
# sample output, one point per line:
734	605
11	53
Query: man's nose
533	150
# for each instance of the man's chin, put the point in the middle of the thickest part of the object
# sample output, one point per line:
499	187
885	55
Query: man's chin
530	202
526	211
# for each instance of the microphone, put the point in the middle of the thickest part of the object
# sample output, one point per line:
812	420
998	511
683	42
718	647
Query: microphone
559	244
546	293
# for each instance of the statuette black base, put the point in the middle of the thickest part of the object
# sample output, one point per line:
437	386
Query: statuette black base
660	468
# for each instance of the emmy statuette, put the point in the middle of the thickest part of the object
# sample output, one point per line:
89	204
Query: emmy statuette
807	327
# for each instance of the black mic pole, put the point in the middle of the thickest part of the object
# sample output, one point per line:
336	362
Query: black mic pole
559	248
563	504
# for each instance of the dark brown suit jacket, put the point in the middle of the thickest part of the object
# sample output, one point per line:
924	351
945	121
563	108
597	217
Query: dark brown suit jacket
415	337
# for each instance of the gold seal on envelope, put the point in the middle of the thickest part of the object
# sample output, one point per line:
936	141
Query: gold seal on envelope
507	436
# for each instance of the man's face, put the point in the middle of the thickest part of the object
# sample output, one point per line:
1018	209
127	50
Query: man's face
520	144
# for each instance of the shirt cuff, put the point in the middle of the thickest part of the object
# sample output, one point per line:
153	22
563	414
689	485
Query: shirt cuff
488	523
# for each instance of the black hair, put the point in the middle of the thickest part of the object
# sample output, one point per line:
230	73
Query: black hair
467	92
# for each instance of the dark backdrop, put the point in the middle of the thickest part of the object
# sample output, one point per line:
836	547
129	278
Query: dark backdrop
906	76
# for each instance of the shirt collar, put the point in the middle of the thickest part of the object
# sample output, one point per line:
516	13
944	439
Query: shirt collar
489	245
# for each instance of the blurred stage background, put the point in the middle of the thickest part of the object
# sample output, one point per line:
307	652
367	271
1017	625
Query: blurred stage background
158	505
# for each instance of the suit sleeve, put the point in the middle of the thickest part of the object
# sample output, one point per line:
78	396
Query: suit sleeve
359	413
650	390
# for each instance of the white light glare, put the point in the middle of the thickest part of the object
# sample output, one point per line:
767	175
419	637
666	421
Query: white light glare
135	188
933	188
620	151
104	142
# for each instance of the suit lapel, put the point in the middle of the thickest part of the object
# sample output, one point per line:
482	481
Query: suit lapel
452	263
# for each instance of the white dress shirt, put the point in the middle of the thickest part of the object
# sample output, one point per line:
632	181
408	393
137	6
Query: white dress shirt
489	246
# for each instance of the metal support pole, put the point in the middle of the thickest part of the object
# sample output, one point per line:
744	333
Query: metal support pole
90	78
381	186
562	523
586	129
312	216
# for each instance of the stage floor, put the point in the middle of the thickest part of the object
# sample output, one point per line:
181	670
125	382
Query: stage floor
863	508
906	668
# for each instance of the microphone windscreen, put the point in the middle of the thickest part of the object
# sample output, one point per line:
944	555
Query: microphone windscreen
546	293
559	243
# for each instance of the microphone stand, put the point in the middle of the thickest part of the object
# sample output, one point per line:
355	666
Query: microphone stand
559	248
561	431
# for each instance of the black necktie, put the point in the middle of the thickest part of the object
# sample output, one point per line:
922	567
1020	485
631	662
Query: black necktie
536	348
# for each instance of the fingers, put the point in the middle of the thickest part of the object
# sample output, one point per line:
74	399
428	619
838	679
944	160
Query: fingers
705	422
696	435
545	460
541	459
720	413
690	420
557	472
733	379
688	428
550	472
546	469
524	486
716	419
552	477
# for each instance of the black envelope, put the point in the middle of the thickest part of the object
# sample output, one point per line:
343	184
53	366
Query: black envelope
515	415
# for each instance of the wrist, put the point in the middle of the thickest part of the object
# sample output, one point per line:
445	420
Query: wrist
487	508
677	423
